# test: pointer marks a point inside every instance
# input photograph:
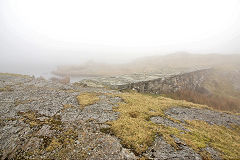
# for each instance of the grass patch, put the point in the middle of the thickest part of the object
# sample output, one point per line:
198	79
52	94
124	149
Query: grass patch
134	127
137	132
66	106
14	74
217	102
53	145
18	102
223	139
86	99
6	88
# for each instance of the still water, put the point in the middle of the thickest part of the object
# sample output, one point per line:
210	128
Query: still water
36	70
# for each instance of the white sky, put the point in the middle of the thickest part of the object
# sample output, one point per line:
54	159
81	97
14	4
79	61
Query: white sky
74	31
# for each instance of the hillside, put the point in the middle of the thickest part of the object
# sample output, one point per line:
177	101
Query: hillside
166	64
42	119
214	87
220	89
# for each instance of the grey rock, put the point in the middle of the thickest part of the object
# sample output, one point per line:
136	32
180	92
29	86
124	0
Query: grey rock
164	151
167	122
215	155
32	115
209	116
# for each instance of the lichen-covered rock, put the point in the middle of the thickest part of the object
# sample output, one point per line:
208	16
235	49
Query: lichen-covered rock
162	150
209	116
42	120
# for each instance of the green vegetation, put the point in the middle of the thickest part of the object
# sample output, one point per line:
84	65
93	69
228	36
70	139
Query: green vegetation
137	132
14	74
66	106
18	102
225	140
60	143
223	103
6	88
218	93
53	145
86	99
134	127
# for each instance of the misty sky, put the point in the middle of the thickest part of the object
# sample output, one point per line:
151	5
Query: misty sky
68	31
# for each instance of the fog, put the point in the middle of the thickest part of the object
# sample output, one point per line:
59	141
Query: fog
36	36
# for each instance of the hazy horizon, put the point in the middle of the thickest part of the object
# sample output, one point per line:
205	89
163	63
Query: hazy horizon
40	35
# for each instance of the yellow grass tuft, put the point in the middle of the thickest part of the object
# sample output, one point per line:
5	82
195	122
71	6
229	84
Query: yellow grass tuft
53	145
137	132
86	99
14	74
134	127
225	140
6	88
66	106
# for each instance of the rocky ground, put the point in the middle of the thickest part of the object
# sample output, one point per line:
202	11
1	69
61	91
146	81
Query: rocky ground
124	79
36	123
40	119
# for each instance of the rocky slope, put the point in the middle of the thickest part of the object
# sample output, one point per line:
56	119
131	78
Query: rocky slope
217	88
40	119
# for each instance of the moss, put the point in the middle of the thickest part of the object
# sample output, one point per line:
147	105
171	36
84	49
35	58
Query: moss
20	154
70	91
62	141
2	123
86	99
6	88
137	132
133	126
33	123
18	102
225	140
53	145
55	122
30	118
46	141
66	106
79	84
106	130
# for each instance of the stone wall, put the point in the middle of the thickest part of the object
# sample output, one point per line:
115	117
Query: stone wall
191	80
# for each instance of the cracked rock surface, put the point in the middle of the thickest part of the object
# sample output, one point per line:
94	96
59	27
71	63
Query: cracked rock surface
34	124
167	122
40	119
162	150
209	116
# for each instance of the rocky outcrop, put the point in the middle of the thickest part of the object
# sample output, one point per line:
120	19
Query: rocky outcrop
41	119
162	150
209	116
191	80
